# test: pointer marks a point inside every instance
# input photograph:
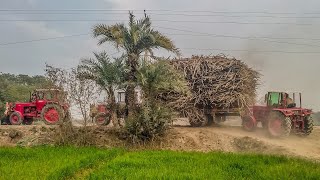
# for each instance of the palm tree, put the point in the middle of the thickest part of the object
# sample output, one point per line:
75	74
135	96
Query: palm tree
105	73
134	39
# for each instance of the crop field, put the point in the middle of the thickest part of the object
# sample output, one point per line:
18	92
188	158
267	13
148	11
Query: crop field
95	163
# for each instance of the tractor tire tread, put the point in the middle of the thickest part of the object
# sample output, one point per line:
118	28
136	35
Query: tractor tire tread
59	109
107	119
286	123
308	125
20	118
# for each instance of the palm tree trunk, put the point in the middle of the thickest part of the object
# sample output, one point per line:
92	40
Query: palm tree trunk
131	79
112	103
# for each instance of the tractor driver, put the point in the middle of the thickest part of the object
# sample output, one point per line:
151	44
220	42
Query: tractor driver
289	101
33	97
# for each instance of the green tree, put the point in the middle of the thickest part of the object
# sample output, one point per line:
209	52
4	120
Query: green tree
154	116
134	39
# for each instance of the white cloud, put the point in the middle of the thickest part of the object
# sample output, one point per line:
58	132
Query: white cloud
37	29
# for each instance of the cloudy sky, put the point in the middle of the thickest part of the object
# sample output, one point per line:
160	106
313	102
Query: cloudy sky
278	38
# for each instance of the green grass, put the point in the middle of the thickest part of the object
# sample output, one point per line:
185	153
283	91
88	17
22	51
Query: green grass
94	163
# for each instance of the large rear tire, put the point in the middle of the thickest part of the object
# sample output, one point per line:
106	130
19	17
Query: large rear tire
15	118
279	125
308	125
52	114
102	119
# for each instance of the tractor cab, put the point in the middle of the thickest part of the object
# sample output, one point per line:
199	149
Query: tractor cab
283	100
53	95
40	97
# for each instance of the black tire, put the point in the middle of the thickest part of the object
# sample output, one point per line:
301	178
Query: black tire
285	126
248	123
209	119
102	119
198	123
15	118
59	115
308	125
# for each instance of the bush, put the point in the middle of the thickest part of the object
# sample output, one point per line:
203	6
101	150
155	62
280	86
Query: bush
149	122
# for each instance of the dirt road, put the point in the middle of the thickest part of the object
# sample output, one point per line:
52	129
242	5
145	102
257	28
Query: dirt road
228	137
232	138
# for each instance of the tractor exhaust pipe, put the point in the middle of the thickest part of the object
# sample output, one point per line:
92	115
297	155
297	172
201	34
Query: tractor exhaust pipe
300	100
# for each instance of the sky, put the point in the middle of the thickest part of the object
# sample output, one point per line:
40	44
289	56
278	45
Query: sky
280	39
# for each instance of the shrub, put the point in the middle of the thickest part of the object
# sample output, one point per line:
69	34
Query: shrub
149	122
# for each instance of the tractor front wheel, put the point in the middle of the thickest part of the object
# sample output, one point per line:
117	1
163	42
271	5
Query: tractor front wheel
15	118
279	125
308	125
52	114
102	119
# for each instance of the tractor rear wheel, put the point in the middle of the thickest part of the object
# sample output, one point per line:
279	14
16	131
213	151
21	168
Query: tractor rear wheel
102	119
308	125
52	114
249	123
279	125
15	118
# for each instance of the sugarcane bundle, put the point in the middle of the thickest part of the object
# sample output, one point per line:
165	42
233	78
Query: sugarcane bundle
215	82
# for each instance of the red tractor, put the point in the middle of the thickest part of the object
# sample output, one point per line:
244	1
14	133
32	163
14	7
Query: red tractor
47	104
100	114
281	115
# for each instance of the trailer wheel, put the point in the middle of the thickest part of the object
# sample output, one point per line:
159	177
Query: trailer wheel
197	122
102	119
279	125
52	114
308	125
249	123
15	118
209	118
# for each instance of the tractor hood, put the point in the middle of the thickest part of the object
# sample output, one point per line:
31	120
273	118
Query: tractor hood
22	104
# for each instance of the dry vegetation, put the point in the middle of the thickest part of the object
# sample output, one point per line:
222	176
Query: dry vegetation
215	82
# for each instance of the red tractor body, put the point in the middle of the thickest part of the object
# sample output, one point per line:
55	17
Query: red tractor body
44	103
280	115
101	113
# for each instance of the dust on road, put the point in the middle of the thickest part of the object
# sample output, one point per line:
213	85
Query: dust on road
228	137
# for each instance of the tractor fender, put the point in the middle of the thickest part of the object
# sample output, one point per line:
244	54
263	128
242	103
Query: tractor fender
64	107
55	103
285	112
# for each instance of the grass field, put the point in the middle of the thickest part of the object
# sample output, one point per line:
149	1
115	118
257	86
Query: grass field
94	163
